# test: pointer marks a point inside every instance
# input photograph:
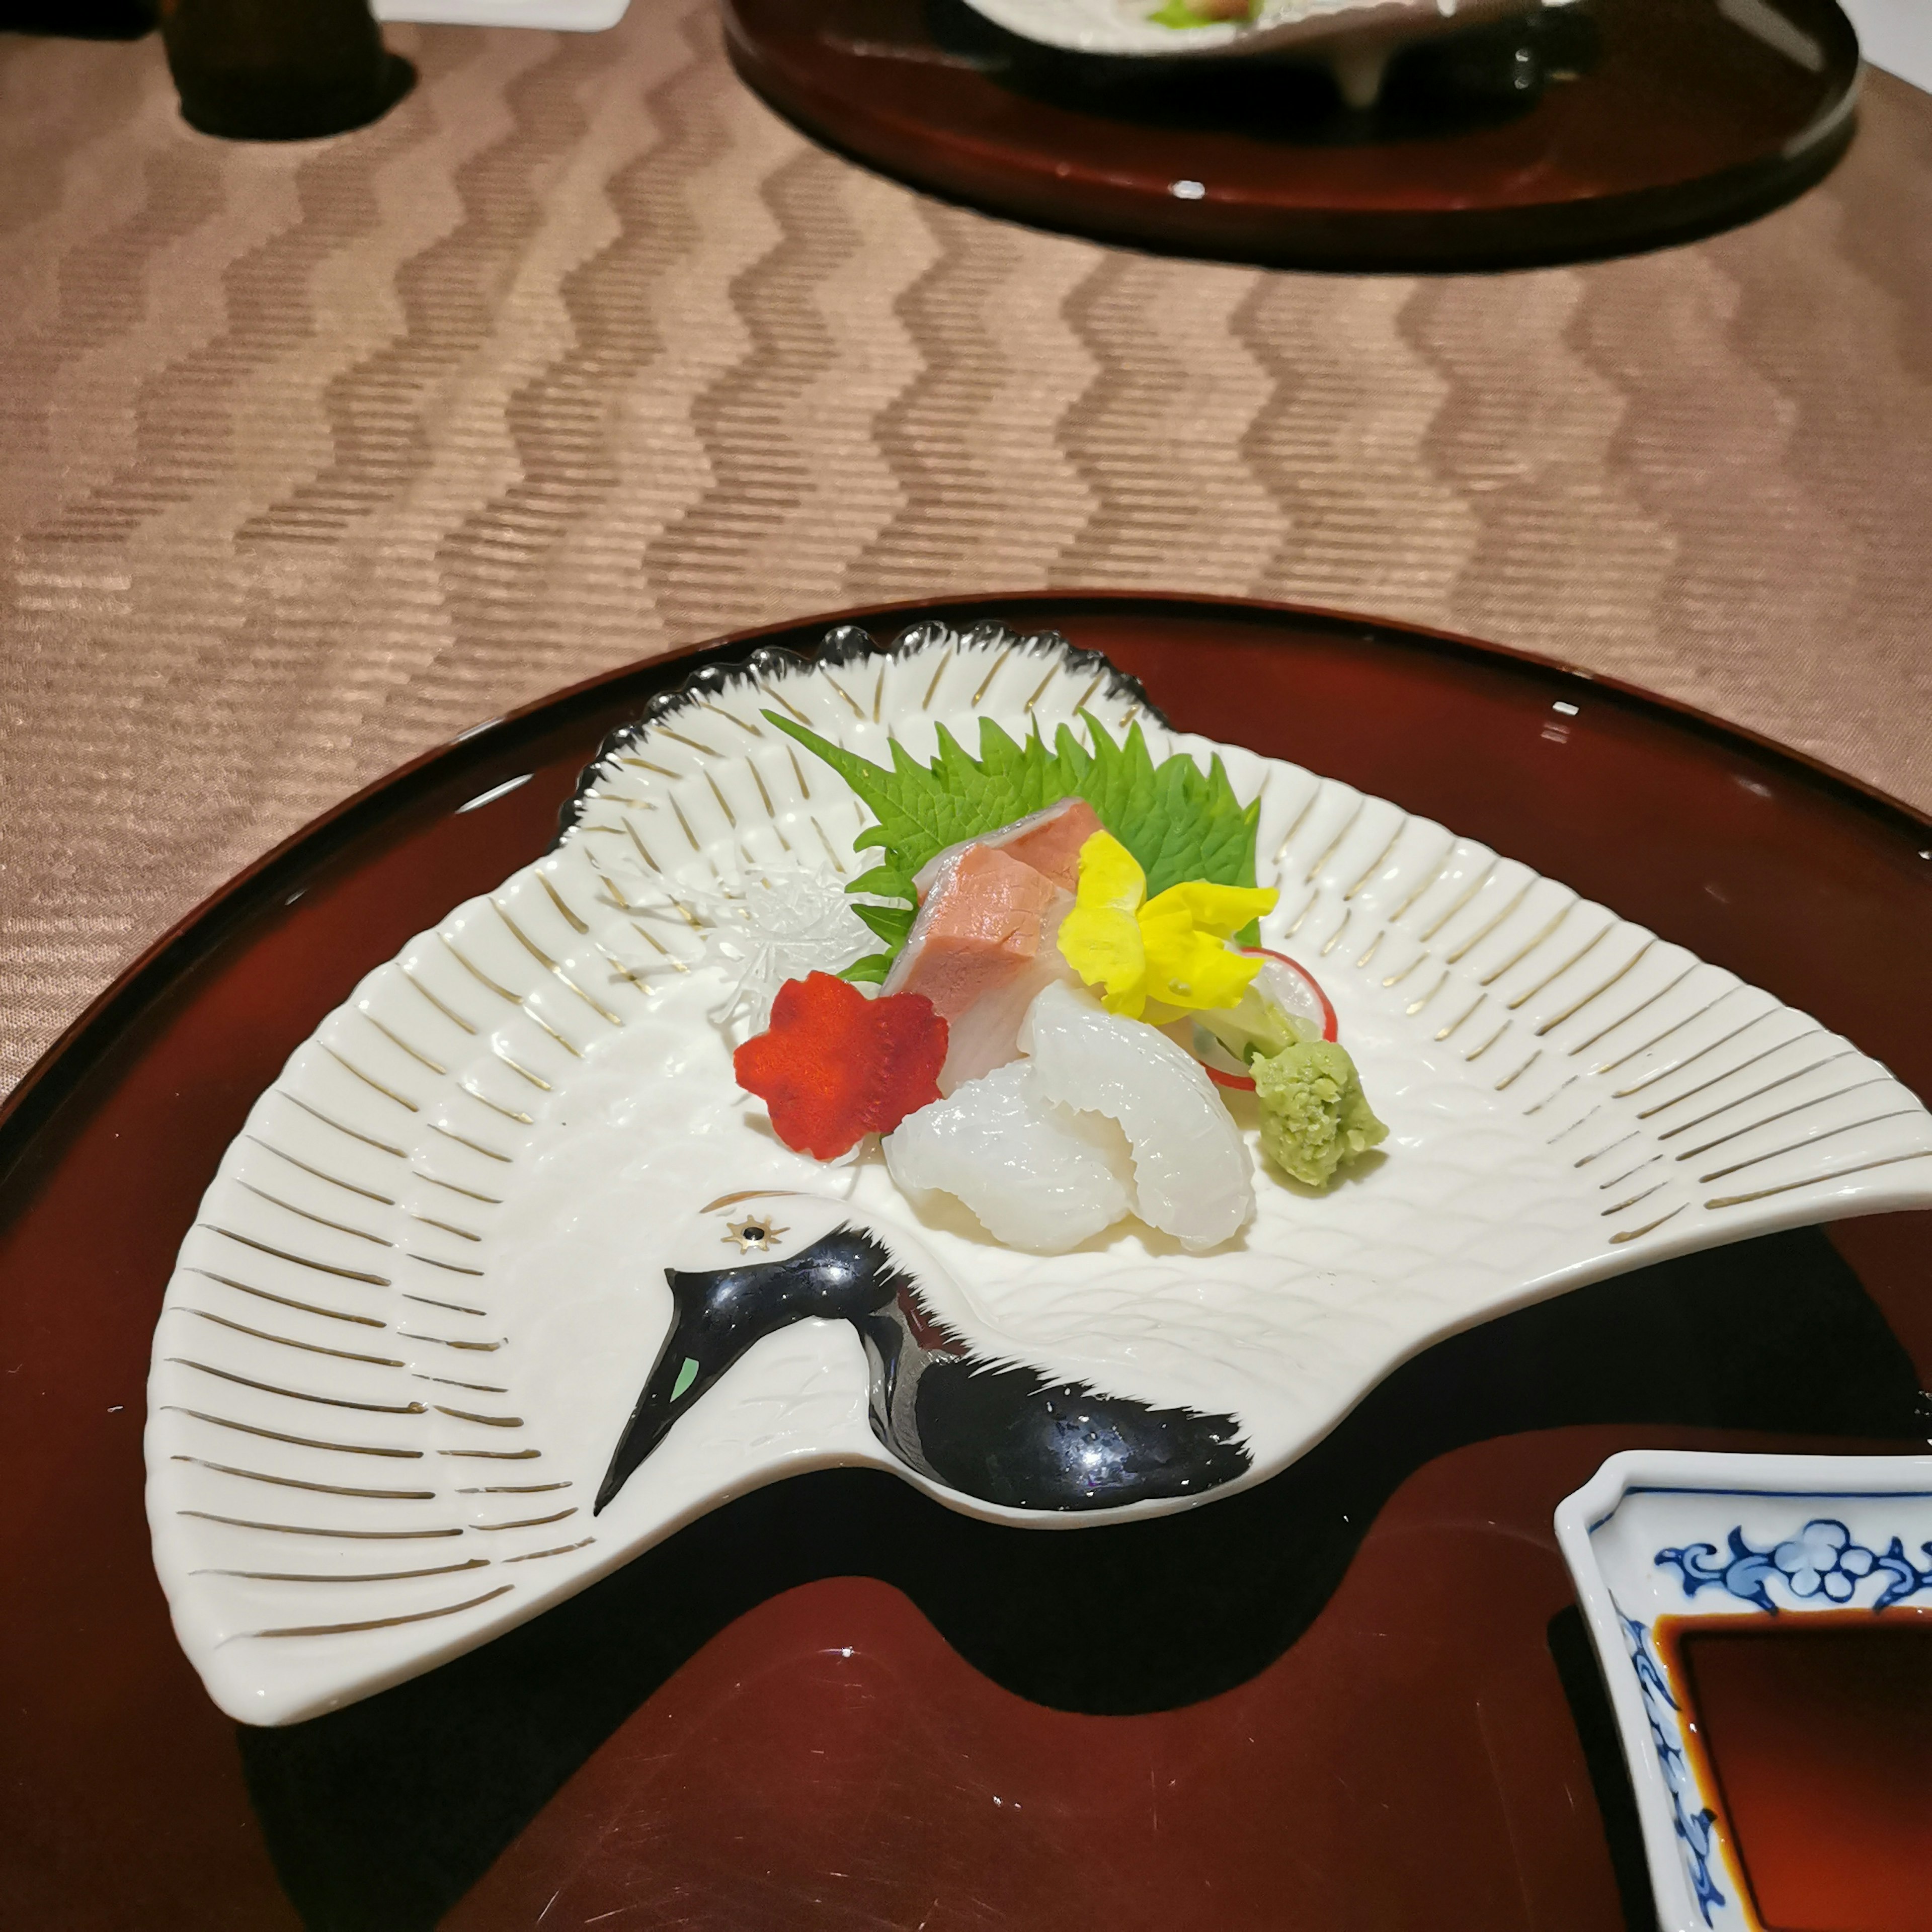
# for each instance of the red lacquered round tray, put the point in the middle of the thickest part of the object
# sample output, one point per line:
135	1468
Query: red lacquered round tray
1358	1696
1640	122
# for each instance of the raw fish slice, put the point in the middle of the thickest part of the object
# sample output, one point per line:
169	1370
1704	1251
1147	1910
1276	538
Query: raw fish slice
1048	840
1192	1176
987	1034
1037	1176
980	926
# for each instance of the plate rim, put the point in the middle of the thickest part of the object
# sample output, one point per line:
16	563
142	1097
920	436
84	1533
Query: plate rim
1374	240
36	1100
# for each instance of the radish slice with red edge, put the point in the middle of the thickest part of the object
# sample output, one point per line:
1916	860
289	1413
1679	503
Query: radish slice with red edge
1291	986
1217	1062
1282	983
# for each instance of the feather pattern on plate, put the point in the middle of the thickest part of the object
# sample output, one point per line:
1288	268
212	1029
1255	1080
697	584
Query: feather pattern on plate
425	1288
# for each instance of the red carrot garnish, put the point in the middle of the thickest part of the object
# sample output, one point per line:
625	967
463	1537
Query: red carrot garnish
834	1065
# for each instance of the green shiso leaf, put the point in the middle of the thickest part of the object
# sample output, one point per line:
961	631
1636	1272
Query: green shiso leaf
1179	822
891	923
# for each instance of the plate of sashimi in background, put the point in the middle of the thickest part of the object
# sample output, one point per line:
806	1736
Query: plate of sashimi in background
512	1213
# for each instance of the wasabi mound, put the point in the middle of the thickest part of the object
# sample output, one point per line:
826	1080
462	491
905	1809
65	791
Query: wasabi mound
1314	1117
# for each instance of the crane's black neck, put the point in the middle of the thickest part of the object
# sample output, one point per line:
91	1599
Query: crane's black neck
1004	1434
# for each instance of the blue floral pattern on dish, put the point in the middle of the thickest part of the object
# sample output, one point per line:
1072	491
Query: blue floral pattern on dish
1664	1714
1821	1561
1777	1539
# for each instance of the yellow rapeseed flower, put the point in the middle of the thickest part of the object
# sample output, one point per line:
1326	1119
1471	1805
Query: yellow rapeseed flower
1172	948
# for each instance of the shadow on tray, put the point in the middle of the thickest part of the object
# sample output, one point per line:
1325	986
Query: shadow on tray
1575	1658
380	1816
1476	78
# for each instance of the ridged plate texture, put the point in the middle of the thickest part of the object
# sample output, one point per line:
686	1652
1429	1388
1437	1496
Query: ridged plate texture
422	1293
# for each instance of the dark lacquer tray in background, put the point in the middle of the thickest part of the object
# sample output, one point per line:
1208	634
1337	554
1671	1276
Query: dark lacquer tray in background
1359	1696
1597	129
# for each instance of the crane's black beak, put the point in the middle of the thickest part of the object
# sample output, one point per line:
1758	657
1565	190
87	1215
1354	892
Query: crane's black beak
719	1312
687	1365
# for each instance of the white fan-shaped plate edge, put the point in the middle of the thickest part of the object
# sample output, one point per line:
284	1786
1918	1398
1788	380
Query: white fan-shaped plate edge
376	1418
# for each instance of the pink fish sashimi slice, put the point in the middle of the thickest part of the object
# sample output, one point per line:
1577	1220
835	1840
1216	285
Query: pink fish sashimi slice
983	946
980	924
986	1035
1049	842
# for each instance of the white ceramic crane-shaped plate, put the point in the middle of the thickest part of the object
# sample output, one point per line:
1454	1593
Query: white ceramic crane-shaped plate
424	1289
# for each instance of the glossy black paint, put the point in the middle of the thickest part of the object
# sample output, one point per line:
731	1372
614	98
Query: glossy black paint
1005	1436
717	1314
1008	1435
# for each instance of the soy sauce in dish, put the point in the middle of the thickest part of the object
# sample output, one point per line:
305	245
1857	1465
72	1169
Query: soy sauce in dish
1814	1731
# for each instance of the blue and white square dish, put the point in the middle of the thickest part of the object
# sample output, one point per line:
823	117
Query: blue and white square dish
1659	1534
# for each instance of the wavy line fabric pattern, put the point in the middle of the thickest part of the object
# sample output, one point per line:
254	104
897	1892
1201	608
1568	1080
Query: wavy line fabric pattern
312	456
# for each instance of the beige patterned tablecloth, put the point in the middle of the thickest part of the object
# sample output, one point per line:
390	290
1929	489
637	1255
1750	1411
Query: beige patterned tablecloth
310	456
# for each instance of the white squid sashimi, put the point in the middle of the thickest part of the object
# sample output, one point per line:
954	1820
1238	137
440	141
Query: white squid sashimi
1037	1176
1192	1174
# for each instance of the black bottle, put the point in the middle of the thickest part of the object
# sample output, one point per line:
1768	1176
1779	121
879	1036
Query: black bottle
279	70
80	19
